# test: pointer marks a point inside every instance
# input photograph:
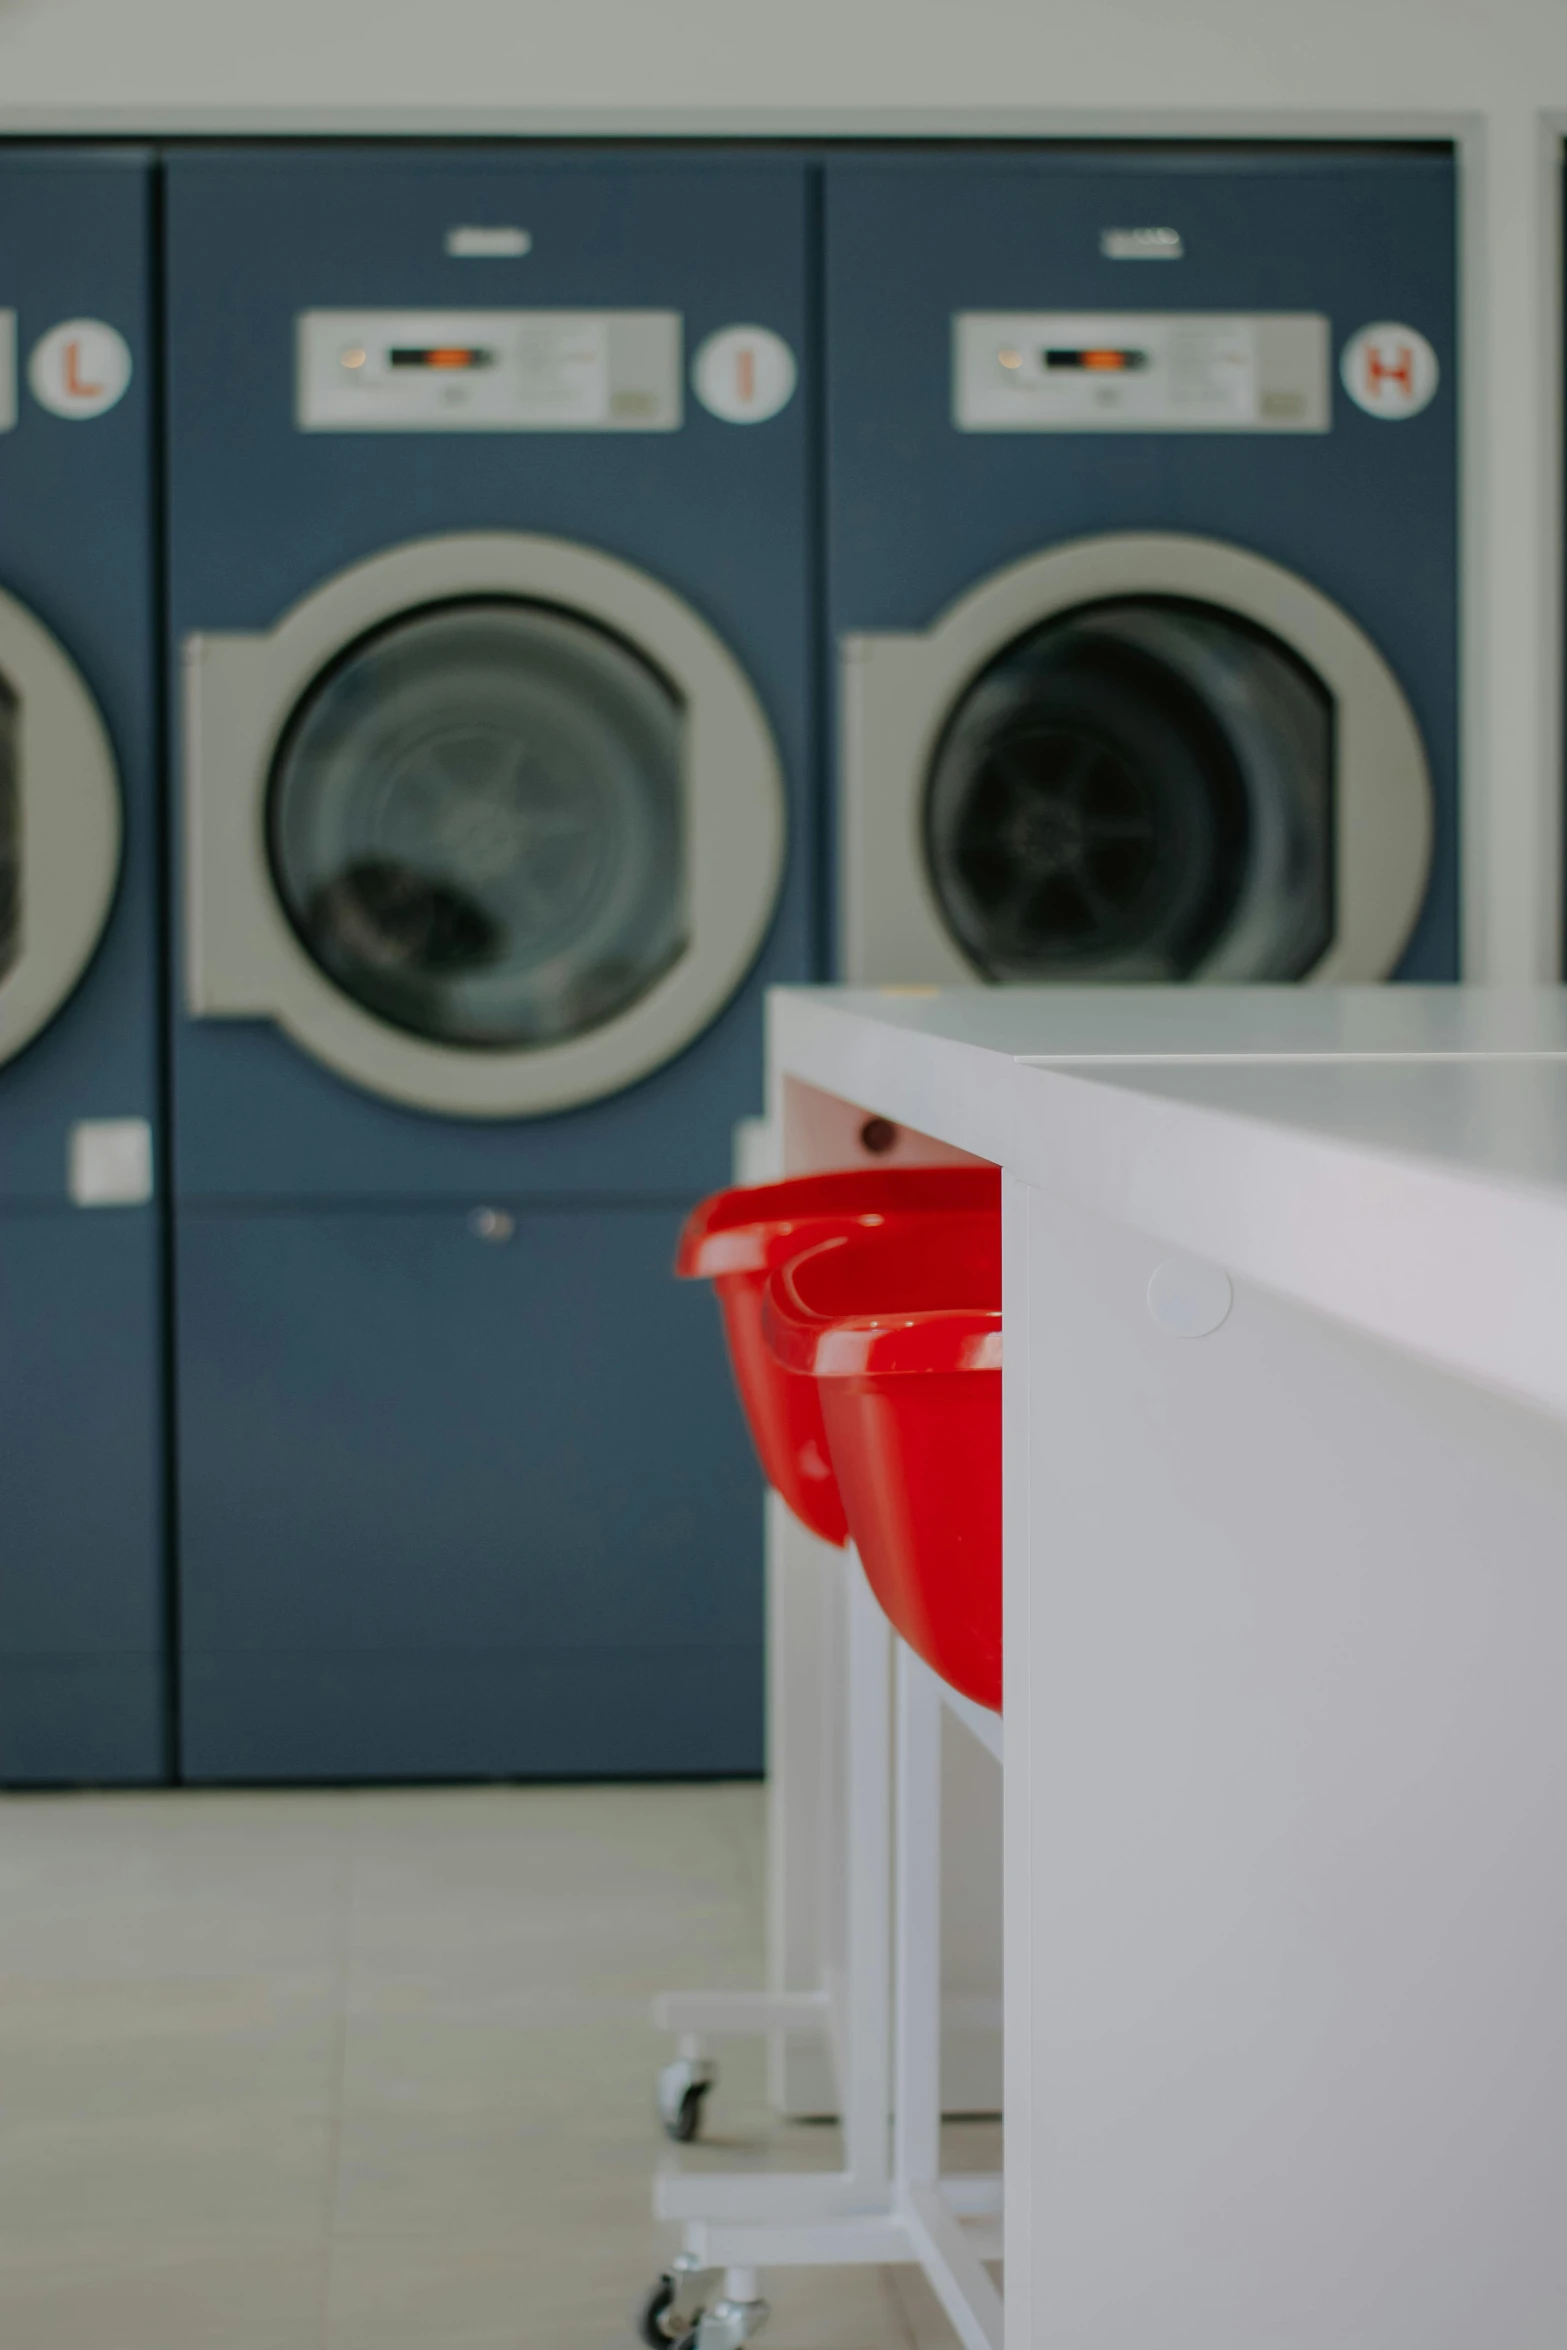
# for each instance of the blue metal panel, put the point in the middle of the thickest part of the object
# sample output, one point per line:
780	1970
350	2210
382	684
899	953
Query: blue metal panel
919	512
262	513
76	547
81	1570
82	1670
453	1507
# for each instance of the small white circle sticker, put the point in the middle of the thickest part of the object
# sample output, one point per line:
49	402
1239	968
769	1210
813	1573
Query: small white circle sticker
1188	1299
744	374
1390	371
80	368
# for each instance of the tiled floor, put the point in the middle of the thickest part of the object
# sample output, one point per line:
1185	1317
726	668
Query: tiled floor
371	2071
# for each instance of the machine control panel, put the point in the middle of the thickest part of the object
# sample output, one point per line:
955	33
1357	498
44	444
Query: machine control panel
1141	371
488	371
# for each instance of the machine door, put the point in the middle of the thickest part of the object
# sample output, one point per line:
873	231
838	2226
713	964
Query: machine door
59	826
1140	789
491	824
1132	759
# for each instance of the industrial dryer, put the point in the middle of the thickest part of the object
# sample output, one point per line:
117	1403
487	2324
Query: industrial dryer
489	575
1142	521
82	1597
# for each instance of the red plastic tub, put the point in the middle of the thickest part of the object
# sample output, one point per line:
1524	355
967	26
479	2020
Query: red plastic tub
738	1238
901	1331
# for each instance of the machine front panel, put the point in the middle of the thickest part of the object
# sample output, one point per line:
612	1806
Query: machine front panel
616	264
77	551
1136	272
82	1664
494	1550
82	1591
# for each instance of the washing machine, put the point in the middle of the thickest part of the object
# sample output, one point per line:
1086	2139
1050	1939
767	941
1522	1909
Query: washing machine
1142	527
490	574
82	1603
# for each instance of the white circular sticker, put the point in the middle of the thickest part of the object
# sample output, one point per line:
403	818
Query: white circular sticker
1390	371
744	374
80	368
1188	1299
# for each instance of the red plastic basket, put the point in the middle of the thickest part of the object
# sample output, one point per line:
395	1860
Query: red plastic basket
738	1238
901	1330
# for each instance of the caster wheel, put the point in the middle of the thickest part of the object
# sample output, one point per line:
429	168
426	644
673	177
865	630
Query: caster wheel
659	2324
650	2319
686	2122
726	2325
682	2092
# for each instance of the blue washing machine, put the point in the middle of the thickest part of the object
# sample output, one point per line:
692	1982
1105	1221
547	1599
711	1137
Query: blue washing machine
490	578
82	1610
1142	525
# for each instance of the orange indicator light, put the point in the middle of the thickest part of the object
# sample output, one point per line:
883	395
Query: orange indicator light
448	356
1097	359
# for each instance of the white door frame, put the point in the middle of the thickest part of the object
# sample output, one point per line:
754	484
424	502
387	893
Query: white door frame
243	958
71	826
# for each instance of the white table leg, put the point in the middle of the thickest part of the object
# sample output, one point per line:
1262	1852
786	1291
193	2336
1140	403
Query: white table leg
805	1794
917	1959
950	2258
866	2076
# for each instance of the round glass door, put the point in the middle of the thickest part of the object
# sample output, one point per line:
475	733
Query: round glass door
1137	789
475	821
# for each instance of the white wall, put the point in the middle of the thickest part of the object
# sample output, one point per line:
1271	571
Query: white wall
642	56
1491	72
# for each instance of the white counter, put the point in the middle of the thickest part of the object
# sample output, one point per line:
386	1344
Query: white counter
1286	1636
1394	1157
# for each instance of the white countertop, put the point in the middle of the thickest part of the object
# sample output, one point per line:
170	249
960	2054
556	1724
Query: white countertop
1394	1157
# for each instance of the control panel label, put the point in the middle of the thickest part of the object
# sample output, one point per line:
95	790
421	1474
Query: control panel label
1391	371
488	371
744	374
80	369
1140	371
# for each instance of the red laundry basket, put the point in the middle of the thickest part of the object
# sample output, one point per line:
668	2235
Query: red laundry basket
737	1238
901	1330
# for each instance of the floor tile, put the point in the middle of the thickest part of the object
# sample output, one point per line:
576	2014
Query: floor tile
160	2296
321	2071
237	2176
